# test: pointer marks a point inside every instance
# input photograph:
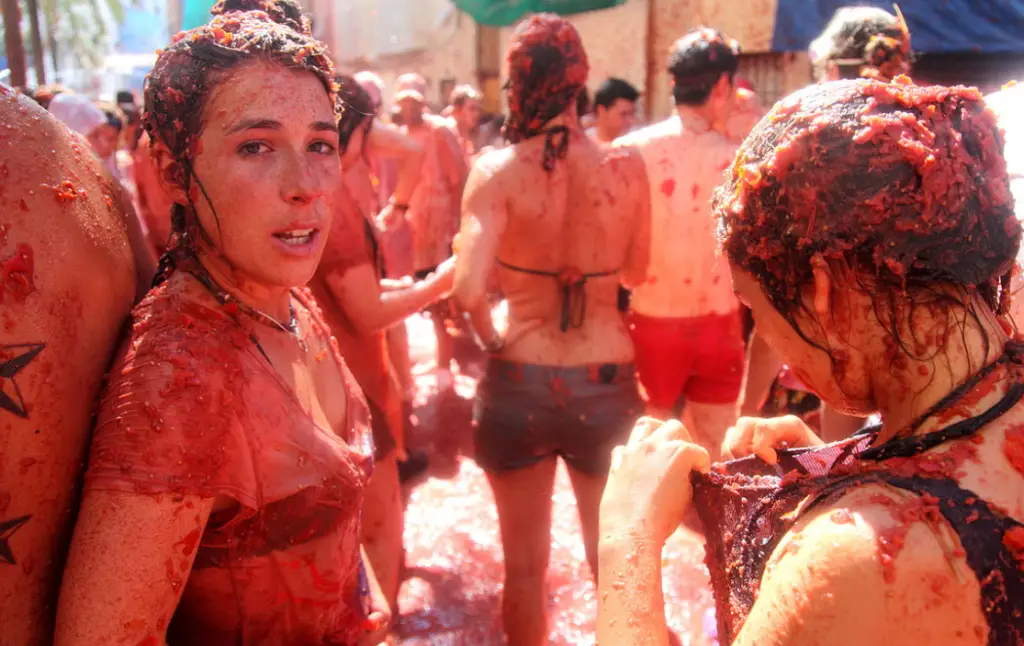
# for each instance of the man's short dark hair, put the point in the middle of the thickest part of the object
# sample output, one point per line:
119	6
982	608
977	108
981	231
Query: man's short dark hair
697	61
612	90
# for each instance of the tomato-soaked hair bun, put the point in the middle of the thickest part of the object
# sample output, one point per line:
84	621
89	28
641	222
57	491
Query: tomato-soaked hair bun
906	184
284	12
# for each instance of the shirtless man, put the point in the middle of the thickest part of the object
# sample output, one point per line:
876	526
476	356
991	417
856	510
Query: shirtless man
433	210
67	282
614	110
685	319
466	108
566	219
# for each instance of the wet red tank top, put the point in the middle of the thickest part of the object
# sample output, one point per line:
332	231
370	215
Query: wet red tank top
193	407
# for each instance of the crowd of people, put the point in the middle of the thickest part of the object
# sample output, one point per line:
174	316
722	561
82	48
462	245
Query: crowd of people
790	329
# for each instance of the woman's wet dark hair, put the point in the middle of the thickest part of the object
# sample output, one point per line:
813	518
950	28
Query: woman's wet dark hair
863	42
547	69
355	107
177	90
904	184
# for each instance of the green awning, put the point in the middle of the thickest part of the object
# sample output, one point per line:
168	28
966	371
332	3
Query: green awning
500	13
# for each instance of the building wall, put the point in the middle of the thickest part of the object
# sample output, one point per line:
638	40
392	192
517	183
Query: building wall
392	37
630	41
753	26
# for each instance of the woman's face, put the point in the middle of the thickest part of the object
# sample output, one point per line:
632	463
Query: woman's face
268	161
812	365
104	140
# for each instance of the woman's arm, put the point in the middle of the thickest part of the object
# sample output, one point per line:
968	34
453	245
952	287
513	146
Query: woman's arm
484	219
379	621
130	557
372	308
647	494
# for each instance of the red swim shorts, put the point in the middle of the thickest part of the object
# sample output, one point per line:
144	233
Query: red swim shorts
700	358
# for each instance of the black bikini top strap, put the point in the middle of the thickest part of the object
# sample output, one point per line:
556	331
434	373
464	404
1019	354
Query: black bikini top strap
571	285
903	447
556	145
524	270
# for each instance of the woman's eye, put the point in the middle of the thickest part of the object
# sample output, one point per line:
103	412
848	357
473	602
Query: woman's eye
253	148
322	147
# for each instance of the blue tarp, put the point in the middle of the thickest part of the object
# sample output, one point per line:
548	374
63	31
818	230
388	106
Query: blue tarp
936	26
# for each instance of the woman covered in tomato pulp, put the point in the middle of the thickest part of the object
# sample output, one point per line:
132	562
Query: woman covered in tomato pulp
224	491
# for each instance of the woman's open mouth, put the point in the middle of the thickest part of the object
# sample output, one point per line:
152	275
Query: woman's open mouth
296	237
297	241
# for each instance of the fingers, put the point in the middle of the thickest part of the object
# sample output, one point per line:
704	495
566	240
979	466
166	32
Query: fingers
738	438
697	457
643	428
752	436
674	429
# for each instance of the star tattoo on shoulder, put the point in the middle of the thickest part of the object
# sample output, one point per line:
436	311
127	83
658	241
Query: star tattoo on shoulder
7	529
13	359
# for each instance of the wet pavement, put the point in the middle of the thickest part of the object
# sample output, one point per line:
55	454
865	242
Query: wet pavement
452	592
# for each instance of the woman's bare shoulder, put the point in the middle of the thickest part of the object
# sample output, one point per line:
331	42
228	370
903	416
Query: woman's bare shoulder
859	568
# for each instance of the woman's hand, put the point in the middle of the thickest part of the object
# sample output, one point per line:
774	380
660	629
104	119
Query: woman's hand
389	217
377	626
761	437
648	488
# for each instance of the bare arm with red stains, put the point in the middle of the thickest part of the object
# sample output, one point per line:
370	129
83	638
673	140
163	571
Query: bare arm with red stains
371	307
66	286
130	557
647	494
379	621
484	217
634	272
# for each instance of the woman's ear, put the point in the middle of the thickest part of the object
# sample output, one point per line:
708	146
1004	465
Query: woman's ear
169	173
822	284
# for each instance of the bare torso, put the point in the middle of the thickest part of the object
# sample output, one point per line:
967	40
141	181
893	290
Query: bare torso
433	209
685	163
582	217
67	282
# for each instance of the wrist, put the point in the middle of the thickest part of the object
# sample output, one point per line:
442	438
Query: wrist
627	544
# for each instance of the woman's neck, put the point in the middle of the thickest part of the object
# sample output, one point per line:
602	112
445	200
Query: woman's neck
271	300
907	388
567	118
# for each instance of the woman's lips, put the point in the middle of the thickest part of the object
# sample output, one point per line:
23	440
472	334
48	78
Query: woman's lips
297	242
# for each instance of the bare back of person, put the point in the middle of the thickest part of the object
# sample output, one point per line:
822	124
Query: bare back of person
67	283
578	222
